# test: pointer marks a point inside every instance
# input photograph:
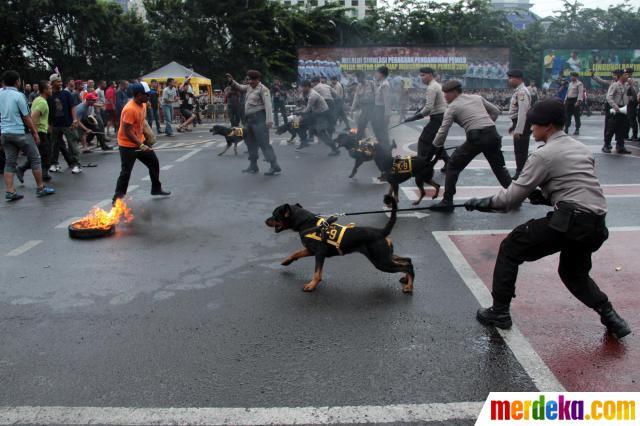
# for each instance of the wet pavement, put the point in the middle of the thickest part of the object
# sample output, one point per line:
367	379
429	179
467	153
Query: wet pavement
188	306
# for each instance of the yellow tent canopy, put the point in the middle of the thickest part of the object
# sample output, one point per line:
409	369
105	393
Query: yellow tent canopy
178	73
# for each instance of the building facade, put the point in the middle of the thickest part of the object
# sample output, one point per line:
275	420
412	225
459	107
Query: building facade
361	8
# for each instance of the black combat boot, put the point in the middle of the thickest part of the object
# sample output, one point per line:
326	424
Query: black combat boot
614	322
498	316
274	170
253	167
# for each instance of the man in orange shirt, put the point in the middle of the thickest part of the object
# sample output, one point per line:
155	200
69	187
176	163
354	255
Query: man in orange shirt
131	143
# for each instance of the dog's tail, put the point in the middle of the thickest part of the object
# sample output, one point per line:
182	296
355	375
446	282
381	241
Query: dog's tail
388	199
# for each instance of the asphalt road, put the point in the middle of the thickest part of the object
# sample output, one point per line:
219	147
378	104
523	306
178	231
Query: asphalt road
188	306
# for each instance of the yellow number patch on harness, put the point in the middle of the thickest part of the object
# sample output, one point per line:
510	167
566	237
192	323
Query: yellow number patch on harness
296	123
335	233
237	131
402	165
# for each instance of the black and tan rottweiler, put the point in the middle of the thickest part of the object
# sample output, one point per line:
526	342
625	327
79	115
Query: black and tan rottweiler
233	136
294	126
361	151
402	169
321	238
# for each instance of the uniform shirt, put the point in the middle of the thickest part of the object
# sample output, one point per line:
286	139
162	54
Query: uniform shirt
564	169
327	93
520	104
132	114
435	103
632	90
471	112
338	89
256	100
315	103
575	90
383	96
40	104
364	96
617	95
533	91
13	106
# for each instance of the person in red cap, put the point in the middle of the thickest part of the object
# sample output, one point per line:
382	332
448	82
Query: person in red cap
87	122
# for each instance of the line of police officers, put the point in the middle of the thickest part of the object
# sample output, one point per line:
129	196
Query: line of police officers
560	174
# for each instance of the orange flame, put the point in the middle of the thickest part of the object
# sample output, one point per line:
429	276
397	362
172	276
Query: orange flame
354	131
100	219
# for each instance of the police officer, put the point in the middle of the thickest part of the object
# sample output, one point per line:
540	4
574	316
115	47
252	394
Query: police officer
573	101
564	170
607	115
434	108
339	102
329	95
618	123
316	117
477	116
632	106
518	108
381	115
258	120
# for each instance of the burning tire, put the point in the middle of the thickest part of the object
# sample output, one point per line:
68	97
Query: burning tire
99	223
88	233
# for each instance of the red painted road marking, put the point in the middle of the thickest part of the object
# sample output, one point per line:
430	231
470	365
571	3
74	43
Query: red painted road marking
466	192
567	335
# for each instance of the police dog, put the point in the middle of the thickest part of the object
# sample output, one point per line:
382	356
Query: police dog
323	239
293	126
233	136
401	169
360	150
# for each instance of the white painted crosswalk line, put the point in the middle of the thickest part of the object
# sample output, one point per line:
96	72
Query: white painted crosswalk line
189	155
208	144
65	224
24	248
167	167
446	413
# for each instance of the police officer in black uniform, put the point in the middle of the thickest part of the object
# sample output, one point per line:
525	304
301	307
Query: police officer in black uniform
564	170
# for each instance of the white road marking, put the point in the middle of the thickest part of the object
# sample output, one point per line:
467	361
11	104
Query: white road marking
221	145
208	144
377	181
189	155
528	358
167	167
405	413
24	248
103	203
160	145
65	224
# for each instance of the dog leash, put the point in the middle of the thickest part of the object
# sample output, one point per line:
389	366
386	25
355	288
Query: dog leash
413	209
184	145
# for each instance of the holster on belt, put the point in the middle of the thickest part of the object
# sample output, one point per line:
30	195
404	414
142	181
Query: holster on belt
579	226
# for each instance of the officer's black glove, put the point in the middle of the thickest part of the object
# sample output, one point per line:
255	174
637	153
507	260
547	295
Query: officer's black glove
537	198
416	117
480	204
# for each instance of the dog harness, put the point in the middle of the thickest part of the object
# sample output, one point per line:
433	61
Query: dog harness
333	233
366	146
236	131
402	165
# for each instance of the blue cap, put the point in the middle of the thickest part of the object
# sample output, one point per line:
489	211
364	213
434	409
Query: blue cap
137	88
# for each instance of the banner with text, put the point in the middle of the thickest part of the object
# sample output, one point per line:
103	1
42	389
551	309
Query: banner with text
477	67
